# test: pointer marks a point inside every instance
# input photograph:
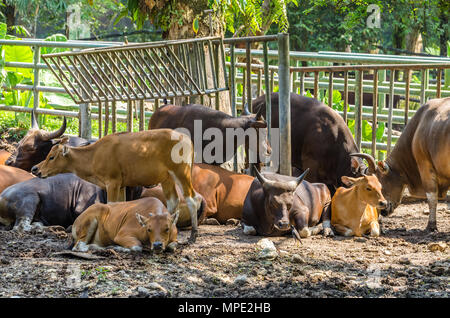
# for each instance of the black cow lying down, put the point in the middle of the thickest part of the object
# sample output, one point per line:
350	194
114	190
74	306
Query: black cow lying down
56	200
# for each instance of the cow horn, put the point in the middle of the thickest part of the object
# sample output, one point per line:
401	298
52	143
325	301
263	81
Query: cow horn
246	111
56	134
302	176
370	161
34	124
259	113
261	179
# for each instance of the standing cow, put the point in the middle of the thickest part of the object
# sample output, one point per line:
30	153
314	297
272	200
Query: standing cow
37	143
119	160
419	160
320	141
171	116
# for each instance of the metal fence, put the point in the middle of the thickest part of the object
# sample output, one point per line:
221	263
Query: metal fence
422	77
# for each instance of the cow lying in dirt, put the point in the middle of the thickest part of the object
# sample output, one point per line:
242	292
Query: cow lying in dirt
269	208
354	210
119	160
57	200
126	226
11	175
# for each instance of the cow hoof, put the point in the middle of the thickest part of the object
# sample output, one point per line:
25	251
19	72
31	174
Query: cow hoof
328	232
172	247
80	247
305	232
249	230
431	228
192	239
136	249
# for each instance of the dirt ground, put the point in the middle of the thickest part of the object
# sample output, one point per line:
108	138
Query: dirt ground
225	263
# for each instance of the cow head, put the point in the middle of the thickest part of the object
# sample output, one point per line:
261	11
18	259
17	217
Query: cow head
57	161
257	122
392	182
278	198
161	229
368	190
34	147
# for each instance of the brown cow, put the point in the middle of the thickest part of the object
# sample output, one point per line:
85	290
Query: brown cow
142	158
11	175
354	209
419	160
223	192
128	224
4	155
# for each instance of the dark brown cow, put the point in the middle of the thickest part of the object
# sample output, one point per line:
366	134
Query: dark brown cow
171	116
268	203
37	143
223	193
311	206
419	160
320	141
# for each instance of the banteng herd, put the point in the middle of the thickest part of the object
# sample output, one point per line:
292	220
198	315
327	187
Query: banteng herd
130	190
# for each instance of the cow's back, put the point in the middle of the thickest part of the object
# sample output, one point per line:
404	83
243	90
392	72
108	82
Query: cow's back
321	140
11	175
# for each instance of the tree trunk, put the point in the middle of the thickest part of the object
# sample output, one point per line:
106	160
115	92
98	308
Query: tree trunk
9	12
189	10
444	11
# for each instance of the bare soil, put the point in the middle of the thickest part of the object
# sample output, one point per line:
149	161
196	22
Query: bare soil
397	264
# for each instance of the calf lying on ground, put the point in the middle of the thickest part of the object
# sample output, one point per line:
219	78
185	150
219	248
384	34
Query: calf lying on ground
354	210
311	206
58	200
119	160
128	224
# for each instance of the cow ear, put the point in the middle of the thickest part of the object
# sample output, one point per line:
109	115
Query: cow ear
348	181
141	219
383	167
64	140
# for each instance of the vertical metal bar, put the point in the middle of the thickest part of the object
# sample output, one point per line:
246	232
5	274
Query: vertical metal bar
216	73
268	91
316	84
302	83
407	91
141	115
36	60
330	90
129	116
284	103
233	94
272	80
114	117
438	83
259	84
358	108
100	120
382	96
391	111
244	76
248	56
374	113
345	95
423	87
106	118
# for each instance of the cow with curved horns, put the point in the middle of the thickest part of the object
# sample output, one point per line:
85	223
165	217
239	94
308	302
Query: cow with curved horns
37	143
320	140
171	116
268	205
419	160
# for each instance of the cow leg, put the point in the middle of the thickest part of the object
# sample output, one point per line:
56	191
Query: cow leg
170	192
432	204
113	191
326	221
248	230
128	243
375	229
183	178
300	220
343	230
83	233
23	225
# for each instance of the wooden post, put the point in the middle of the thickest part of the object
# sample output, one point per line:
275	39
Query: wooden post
284	103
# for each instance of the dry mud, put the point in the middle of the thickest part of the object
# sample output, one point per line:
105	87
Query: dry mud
224	263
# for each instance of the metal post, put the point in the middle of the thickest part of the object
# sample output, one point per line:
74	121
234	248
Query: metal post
284	103
391	111
268	92
358	108
36	60
233	94
249	76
